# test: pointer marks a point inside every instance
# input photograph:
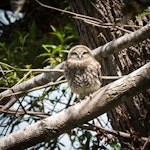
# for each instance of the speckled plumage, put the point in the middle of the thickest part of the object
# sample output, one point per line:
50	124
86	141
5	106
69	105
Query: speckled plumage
82	71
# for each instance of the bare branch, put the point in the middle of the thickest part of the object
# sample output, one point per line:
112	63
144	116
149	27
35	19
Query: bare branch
146	142
91	107
21	112
39	80
88	19
123	42
94	127
37	88
31	70
68	12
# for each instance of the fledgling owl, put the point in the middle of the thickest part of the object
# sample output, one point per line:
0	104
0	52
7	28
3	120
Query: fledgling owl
82	71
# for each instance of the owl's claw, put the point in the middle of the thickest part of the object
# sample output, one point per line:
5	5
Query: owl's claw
43	122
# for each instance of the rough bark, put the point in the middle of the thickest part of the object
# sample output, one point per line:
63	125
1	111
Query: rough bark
132	116
100	102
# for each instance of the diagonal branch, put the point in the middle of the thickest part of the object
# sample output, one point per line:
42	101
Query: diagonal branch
38	80
87	19
100	102
94	127
103	51
125	41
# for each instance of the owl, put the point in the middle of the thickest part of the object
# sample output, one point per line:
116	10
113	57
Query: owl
82	71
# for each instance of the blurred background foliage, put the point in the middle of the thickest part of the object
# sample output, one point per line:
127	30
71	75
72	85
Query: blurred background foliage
41	37
135	9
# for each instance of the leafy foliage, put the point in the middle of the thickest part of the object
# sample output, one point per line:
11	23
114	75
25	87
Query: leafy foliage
63	40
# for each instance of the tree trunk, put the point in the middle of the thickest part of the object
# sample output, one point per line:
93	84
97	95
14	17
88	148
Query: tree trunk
134	116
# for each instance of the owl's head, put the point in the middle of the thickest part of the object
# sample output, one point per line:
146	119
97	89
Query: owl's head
79	52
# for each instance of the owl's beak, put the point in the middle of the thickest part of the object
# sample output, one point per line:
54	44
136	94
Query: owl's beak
80	57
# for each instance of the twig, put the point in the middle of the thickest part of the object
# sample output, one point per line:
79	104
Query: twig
21	112
103	25
67	12
12	90
87	19
111	77
23	78
146	142
33	89
1	63
110	131
4	88
32	70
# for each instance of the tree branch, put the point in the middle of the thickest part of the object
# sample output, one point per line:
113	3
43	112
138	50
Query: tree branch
38	80
22	112
103	51
94	127
100	102
88	19
123	42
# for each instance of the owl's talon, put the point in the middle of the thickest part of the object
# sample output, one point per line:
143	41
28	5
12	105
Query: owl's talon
45	125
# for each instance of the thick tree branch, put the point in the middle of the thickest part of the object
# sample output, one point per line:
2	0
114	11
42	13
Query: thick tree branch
100	52
100	102
123	42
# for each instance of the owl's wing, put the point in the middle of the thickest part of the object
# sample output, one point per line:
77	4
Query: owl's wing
67	70
65	67
99	70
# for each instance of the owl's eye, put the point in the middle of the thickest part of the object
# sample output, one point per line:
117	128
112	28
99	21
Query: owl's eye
74	54
85	52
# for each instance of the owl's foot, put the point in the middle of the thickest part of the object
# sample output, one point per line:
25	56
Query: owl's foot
80	99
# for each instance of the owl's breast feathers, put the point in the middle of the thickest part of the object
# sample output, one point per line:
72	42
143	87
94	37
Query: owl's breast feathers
83	78
82	71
